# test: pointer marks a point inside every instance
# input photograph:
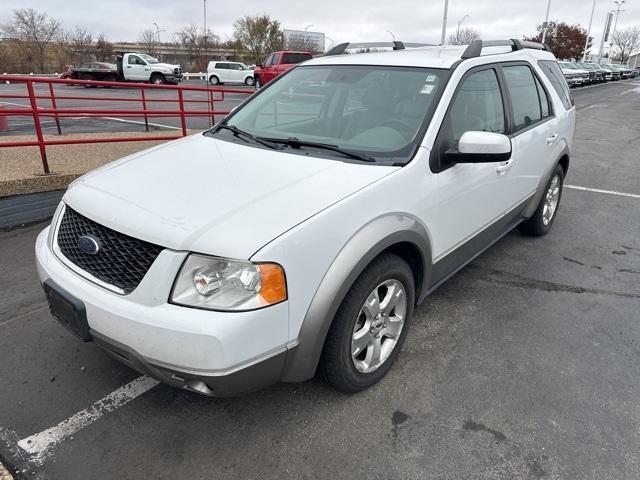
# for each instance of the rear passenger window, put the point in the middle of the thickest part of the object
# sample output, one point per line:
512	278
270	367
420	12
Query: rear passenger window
290	58
544	100
553	72
477	106
524	95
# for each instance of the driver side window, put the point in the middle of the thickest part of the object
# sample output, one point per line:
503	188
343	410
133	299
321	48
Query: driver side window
477	106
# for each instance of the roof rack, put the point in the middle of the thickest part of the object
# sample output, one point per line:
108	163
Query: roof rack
395	45
475	48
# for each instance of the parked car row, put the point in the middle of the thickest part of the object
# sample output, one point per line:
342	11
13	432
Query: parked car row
581	73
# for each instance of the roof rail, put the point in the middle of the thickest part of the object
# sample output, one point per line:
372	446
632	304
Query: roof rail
343	47
475	48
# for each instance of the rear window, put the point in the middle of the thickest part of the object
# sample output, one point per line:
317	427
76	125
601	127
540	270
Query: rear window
295	57
552	71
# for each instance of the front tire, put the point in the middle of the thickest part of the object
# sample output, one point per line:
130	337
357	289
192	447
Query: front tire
370	326
249	81
258	83
542	220
158	79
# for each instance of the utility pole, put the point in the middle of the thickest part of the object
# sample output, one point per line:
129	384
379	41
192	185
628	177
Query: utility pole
204	31
443	38
586	42
546	22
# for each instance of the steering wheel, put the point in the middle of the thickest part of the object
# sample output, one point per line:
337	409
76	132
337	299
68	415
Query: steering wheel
393	122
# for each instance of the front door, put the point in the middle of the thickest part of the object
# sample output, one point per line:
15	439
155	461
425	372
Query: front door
136	69
476	201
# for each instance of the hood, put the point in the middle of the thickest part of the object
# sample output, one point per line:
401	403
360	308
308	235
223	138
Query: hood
211	196
165	65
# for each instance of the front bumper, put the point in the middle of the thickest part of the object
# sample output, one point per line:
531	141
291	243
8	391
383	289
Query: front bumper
218	349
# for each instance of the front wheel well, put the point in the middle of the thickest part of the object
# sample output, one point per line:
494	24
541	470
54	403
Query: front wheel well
564	163
411	254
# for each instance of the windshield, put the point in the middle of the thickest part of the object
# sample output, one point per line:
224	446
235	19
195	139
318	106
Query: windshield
148	58
568	65
376	110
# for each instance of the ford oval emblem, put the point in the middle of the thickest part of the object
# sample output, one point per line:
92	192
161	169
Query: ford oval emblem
88	244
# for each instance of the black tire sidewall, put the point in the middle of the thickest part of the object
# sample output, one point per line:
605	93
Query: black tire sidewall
211	80
340	370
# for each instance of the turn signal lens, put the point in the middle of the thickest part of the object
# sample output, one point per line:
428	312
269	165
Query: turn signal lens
273	287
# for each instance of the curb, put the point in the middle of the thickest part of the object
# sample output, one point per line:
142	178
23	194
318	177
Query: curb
19	210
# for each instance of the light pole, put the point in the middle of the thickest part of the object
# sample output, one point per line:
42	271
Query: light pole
459	25
393	37
158	31
619	4
204	29
546	22
586	42
331	39
443	37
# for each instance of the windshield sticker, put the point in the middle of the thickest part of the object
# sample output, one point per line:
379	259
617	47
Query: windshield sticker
427	89
431	78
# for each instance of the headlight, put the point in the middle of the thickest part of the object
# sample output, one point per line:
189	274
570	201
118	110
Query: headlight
229	285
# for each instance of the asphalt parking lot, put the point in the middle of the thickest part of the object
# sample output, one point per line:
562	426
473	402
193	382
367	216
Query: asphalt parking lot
526	364
24	125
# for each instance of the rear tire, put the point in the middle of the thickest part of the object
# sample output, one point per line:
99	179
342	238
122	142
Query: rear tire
370	326
213	80
542	220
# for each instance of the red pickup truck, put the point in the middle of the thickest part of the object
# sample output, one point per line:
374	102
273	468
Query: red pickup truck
276	64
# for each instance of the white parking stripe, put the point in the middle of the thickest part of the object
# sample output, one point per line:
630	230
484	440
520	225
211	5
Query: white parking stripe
139	123
39	444
598	190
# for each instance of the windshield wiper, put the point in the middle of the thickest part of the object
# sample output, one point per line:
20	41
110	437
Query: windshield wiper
296	143
237	133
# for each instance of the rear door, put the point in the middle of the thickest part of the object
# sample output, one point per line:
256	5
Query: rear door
534	130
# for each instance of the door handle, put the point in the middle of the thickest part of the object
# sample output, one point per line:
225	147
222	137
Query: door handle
128	66
552	139
504	166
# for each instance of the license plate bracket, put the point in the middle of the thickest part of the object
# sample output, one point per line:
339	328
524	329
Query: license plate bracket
68	310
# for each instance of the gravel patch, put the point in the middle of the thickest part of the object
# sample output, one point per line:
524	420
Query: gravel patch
21	167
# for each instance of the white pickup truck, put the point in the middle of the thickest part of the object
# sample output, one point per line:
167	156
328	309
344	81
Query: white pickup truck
140	67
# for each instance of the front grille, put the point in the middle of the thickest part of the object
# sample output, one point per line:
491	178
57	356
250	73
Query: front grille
121	260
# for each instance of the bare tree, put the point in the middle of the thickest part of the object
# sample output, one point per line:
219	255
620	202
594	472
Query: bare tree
79	42
464	36
149	39
627	41
32	33
259	34
103	49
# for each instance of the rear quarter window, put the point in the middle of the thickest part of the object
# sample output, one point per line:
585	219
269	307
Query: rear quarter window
553	72
296	57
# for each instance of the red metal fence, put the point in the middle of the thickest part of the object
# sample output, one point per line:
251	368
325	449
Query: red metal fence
205	97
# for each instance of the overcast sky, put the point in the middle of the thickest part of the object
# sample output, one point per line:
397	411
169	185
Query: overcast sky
351	20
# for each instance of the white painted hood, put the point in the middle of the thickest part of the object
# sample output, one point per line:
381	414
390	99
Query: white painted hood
211	196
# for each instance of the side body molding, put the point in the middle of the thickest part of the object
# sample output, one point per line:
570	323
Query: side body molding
362	248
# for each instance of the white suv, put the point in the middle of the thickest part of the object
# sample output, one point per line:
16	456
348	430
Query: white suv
229	72
298	235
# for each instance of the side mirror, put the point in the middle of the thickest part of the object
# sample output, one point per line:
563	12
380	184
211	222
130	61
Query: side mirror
481	147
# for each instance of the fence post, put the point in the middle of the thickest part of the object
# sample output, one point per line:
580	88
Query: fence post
144	107
212	111
55	107
183	118
36	122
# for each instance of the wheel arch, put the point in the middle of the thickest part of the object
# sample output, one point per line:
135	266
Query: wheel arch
397	233
563	161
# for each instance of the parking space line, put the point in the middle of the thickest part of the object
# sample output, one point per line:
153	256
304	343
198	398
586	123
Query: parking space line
40	443
598	190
